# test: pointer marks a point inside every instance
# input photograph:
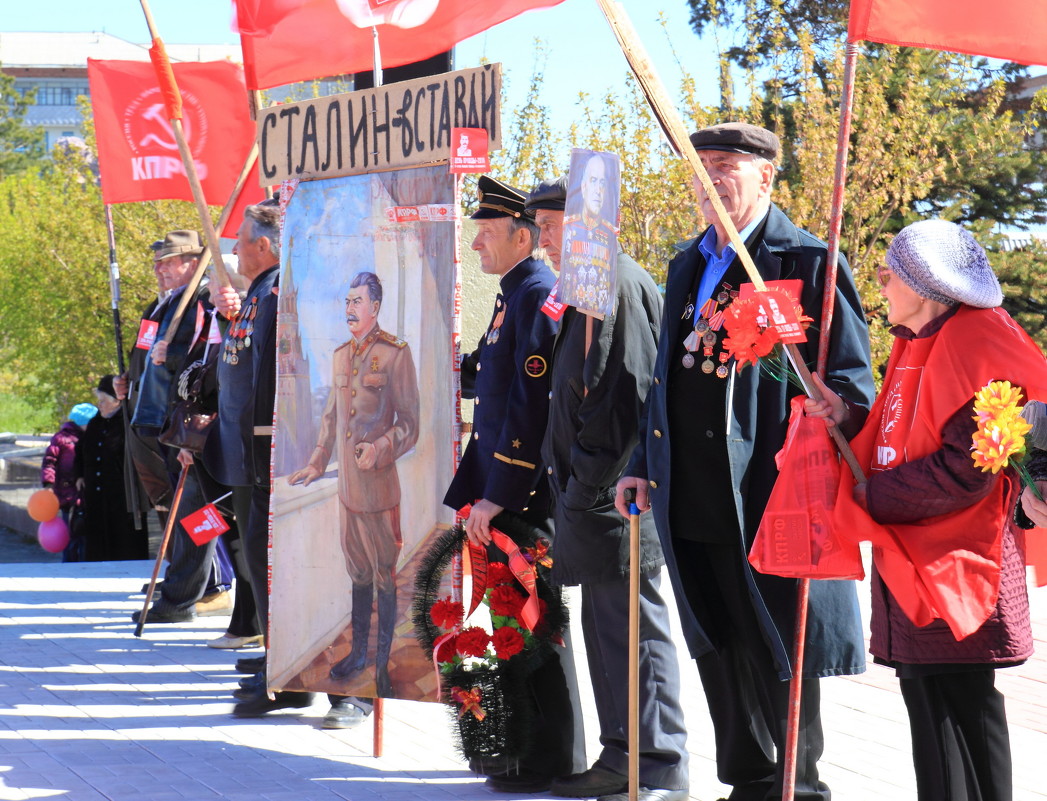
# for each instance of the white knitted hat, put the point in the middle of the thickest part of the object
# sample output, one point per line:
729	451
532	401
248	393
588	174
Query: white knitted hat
941	261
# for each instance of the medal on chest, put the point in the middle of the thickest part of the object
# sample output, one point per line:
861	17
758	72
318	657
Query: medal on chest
499	317
704	337
240	333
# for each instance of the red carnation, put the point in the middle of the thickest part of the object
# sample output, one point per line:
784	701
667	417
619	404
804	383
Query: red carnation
499	573
446	614
473	641
507	641
447	650
506	601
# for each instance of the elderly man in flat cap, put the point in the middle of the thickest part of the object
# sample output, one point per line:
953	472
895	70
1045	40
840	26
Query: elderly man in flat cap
705	465
501	473
596	400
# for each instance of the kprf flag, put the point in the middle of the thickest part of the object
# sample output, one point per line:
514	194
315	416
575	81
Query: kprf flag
204	524
137	152
1015	30
285	41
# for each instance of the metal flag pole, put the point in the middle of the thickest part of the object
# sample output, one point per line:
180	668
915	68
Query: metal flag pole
130	480
792	731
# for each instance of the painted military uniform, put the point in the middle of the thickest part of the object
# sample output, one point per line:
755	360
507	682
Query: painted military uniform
374	400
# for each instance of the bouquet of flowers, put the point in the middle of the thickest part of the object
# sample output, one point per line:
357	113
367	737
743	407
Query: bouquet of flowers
1000	438
759	326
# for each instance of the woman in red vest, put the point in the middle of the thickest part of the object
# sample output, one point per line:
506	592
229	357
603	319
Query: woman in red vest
949	602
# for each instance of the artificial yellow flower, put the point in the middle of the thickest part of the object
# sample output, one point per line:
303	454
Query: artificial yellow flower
997	400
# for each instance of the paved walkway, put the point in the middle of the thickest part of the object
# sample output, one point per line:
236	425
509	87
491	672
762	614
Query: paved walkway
89	713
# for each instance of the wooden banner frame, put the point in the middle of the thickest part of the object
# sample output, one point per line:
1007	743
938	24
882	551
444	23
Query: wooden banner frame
372	130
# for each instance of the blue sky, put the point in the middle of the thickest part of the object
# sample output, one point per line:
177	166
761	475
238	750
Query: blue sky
583	55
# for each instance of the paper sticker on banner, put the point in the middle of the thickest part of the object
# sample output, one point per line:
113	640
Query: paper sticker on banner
204	524
552	307
147	334
434	212
780	303
469	151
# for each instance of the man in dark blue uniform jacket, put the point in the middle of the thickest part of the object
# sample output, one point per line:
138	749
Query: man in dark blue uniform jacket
705	465
501	473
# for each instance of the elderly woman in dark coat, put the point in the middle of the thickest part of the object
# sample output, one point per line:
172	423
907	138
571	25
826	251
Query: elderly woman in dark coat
949	599
108	527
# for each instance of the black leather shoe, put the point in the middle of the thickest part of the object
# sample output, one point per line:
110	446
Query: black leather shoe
257	680
250	664
260	705
649	794
159	615
344	715
247	693
591	783
525	782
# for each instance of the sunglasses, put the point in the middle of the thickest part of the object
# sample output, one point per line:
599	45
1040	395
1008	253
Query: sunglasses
883	275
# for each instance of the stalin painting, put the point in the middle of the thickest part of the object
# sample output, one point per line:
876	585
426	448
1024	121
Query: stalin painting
370	420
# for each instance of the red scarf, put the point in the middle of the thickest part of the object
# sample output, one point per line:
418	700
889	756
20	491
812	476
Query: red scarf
947	566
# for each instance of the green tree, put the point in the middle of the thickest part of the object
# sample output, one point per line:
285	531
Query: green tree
57	337
21	146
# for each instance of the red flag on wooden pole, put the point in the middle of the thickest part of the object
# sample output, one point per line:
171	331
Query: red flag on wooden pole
285	41
1015	30
138	156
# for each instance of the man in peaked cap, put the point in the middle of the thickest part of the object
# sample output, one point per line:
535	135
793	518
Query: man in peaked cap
500	474
594	410
705	466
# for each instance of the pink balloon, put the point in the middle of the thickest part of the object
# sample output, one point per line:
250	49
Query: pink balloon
53	535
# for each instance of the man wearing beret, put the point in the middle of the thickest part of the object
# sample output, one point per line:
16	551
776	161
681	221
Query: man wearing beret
705	466
594	411
501	474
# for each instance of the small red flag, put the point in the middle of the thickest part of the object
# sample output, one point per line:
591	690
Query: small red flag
1015	30
285	41
137	153
204	524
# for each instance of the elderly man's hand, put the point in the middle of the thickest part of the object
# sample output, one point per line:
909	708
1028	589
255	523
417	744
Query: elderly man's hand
226	300
159	353
478	526
120	386
643	501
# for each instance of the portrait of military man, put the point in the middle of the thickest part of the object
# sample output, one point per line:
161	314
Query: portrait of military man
590	234
370	420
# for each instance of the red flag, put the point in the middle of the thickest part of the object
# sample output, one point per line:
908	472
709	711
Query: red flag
137	152
312	39
1015	30
204	524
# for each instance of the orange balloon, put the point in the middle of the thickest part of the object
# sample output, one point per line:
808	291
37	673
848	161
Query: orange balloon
43	505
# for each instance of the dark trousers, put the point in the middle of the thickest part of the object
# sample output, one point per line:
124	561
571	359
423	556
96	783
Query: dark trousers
605	627
747	701
960	744
252	512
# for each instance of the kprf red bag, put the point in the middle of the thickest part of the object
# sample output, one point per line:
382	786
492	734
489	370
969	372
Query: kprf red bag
795	538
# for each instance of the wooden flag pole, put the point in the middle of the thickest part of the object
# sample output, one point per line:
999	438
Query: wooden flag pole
168	529
205	257
172	102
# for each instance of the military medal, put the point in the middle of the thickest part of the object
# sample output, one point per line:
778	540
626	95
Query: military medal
240	330
688	311
688	360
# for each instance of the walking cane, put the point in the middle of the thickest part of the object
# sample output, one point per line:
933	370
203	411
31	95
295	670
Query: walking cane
634	644
162	549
